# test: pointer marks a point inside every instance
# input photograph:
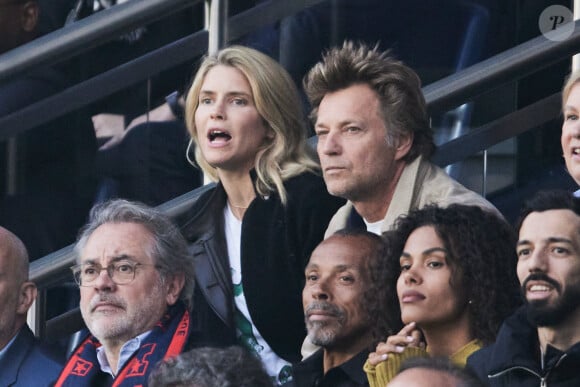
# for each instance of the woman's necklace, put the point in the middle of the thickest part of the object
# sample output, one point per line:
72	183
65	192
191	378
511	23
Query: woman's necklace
241	207
238	211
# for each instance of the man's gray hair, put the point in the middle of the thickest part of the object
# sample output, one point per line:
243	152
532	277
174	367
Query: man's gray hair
211	367
169	249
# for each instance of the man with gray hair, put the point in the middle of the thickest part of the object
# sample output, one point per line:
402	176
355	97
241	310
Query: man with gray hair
233	366
23	362
136	280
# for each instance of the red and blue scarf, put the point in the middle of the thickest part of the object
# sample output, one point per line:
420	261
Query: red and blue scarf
168	338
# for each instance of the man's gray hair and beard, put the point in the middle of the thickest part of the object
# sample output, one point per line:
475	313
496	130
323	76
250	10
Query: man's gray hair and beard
542	313
324	333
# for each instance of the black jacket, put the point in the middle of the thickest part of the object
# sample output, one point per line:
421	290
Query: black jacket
276	244
514	359
310	372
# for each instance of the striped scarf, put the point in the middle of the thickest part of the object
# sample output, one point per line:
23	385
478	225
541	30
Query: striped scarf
168	338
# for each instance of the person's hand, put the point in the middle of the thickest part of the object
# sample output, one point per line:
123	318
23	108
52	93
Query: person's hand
108	125
112	125
409	336
159	114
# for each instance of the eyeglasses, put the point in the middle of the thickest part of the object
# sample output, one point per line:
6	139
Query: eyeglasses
120	273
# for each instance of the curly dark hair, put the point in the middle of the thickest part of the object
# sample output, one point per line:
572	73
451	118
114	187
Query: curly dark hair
548	200
482	256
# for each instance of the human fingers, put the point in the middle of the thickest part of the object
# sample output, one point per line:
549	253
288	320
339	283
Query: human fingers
375	358
393	344
113	141
407	329
417	337
108	125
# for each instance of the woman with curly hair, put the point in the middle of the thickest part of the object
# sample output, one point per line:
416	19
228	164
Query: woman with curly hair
452	279
252	233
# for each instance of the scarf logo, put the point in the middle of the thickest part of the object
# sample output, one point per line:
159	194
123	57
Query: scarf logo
182	329
166	339
81	367
138	367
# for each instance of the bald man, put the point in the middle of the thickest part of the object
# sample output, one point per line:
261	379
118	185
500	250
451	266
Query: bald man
22	360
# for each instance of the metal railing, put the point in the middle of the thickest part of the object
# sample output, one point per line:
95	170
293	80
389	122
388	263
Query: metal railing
182	51
505	67
85	34
502	68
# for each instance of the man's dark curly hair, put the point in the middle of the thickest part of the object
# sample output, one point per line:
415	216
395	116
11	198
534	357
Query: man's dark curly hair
482	257
549	200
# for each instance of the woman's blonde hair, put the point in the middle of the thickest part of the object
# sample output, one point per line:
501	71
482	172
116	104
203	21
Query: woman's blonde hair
285	153
572	80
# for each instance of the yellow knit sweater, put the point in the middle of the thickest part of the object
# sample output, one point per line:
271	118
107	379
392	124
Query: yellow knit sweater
382	373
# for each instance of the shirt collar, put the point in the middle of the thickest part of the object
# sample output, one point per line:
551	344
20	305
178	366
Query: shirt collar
311	367
5	349
127	350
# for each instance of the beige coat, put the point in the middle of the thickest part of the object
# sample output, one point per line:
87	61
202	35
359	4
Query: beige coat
421	183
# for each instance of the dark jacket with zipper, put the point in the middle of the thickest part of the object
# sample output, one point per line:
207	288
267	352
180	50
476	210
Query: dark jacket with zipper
514	359
276	243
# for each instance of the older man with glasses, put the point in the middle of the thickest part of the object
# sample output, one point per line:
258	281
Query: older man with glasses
136	281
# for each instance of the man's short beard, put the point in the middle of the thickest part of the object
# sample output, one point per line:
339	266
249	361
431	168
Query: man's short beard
543	314
323	333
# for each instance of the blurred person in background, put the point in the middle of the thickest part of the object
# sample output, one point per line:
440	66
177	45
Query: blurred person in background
211	367
23	360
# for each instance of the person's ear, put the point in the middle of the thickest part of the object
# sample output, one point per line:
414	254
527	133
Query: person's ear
174	286
27	295
404	145
29	16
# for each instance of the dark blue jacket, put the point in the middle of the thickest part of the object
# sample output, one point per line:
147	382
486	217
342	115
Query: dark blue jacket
27	364
514	359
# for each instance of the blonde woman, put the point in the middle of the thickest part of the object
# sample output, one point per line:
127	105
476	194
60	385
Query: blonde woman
571	127
253	233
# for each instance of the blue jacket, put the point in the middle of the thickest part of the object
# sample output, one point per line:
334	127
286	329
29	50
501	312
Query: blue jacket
514	359
27	364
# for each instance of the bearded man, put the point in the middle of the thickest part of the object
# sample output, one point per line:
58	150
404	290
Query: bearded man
540	343
136	279
339	311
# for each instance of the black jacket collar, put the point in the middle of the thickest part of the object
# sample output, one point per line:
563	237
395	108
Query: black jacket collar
309	372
